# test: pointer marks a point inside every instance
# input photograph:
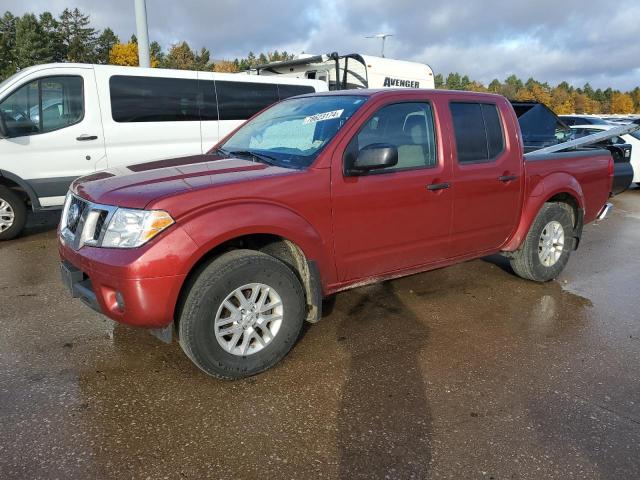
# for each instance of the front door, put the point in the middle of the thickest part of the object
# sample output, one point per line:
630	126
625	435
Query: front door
389	220
55	131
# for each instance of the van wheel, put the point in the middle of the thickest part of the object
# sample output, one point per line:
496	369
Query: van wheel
546	249
242	314
13	214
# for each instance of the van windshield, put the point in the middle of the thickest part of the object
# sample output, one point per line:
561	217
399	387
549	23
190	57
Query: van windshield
292	133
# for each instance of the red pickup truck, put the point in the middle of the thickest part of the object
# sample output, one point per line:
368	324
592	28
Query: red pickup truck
235	249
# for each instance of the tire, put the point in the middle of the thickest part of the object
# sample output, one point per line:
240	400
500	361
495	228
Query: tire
531	261
13	214
207	314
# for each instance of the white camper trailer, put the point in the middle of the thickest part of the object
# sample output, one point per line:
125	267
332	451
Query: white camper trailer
342	72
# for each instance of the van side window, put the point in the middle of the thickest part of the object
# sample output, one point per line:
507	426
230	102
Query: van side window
153	99
478	131
241	100
44	105
409	127
286	91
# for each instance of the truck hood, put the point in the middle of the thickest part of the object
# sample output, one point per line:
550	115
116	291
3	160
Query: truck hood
135	186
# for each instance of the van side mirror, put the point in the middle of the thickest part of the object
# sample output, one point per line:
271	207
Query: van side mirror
374	157
4	133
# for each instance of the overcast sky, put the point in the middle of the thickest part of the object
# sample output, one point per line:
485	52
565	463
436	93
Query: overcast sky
550	40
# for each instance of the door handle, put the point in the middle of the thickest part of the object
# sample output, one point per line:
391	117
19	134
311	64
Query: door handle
507	178
438	186
84	138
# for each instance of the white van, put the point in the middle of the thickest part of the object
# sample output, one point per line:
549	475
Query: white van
62	121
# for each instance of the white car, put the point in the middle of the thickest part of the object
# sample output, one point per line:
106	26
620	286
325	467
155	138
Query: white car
62	121
632	139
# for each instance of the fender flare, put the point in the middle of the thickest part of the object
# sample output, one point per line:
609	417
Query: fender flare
219	224
551	186
35	203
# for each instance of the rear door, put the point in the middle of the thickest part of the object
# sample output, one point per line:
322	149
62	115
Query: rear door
388	220
53	119
487	178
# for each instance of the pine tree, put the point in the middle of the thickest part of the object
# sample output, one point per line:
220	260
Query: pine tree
453	81
104	44
7	45
181	57
157	54
51	31
31	46
495	86
78	38
201	61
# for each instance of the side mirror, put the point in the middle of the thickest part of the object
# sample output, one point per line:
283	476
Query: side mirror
374	157
4	133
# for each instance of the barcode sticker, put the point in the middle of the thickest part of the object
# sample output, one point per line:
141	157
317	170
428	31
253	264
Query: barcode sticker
320	117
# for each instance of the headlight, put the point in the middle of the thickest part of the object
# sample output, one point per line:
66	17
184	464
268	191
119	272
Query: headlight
132	228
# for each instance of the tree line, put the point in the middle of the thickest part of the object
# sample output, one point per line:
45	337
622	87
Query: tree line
562	98
34	39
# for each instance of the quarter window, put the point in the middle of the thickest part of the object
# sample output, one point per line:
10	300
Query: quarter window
242	100
153	99
407	126
44	105
478	131
286	91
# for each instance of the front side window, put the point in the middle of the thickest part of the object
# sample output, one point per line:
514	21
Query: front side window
44	105
153	99
407	126
478	131
293	132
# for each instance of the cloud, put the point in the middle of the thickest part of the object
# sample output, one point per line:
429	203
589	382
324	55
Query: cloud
551	41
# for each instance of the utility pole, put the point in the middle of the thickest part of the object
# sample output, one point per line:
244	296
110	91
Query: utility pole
144	58
383	36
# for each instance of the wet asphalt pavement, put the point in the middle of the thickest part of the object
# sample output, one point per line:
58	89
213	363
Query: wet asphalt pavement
463	372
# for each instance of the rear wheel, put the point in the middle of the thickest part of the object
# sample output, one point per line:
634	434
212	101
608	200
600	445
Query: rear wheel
242	314
546	249
13	214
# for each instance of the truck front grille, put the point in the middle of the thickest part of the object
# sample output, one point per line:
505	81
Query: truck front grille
76	210
84	222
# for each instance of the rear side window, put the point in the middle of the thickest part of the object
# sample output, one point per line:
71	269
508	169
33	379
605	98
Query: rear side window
153	99
286	91
478	131
241	100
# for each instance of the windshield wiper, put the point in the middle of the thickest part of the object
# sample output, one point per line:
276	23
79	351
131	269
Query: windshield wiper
261	157
222	151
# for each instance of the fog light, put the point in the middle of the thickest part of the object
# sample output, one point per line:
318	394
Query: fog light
120	301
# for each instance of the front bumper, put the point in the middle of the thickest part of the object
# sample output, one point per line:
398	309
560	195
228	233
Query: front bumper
138	287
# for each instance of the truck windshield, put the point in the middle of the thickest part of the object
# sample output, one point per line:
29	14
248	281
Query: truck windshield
292	133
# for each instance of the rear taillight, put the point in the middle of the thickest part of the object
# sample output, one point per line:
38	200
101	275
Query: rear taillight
611	167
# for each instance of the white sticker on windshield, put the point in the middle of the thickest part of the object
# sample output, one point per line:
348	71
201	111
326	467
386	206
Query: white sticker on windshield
320	117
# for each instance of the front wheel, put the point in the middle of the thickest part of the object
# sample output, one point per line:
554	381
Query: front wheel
242	314
546	249
13	214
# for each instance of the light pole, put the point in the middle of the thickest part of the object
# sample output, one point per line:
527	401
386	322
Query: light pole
383	36
144	58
